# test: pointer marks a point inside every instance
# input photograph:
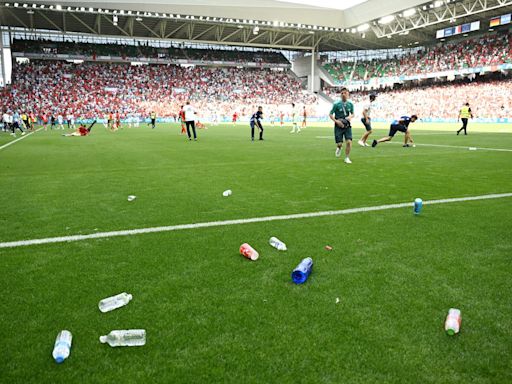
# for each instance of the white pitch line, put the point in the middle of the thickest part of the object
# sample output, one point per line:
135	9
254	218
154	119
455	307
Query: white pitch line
461	147
170	228
21	138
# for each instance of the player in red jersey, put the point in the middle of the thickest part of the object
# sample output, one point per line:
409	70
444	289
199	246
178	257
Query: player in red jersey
82	130
235	117
118	121
44	118
181	115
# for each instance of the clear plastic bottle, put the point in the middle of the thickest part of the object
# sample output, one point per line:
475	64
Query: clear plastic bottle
111	303
62	347
301	273
125	338
453	321
276	243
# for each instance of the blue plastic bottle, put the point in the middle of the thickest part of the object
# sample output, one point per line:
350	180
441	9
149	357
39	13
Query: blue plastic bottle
418	204
301	273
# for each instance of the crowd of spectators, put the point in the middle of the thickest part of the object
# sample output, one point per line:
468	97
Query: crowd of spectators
487	50
487	98
91	90
141	50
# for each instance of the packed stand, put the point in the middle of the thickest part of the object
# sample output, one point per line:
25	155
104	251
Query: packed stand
487	98
484	51
92	90
139	51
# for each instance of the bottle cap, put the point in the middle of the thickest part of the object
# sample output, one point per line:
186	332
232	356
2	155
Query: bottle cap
103	339
450	332
59	359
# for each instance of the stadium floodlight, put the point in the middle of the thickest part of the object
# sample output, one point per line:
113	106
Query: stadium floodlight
16	5
58	7
25	5
34	5
409	12
138	18
363	27
353	30
82	9
91	9
386	19
438	3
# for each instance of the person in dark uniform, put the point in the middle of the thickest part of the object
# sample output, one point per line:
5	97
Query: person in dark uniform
256	122
401	125
464	115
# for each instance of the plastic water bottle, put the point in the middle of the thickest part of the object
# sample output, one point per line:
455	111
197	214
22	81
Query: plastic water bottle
111	303
125	338
276	243
418	204
227	193
131	197
249	252
62	347
301	273
453	321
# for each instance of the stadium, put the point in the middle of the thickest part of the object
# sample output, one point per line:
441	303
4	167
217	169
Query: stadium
168	149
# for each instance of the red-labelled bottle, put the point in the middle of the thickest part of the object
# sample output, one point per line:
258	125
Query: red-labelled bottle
249	252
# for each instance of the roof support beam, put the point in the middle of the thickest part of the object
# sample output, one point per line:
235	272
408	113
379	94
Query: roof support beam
432	16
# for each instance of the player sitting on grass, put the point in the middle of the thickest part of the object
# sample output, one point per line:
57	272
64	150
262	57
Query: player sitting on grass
401	125
82	130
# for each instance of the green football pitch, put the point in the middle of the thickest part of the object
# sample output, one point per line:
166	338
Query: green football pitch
372	310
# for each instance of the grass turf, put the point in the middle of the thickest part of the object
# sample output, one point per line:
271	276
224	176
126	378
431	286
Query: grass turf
213	316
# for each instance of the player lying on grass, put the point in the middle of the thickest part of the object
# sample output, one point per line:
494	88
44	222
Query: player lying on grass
82	130
401	125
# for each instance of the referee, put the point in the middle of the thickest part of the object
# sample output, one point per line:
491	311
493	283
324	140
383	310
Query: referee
464	115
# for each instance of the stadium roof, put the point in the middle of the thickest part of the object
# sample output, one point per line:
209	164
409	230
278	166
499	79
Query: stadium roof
287	24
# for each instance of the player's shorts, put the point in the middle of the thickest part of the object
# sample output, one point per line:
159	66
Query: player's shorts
394	128
368	126
340	133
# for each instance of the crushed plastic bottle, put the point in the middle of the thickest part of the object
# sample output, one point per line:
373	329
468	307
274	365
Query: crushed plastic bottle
301	273
278	244
114	302
453	321
125	338
62	347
